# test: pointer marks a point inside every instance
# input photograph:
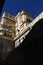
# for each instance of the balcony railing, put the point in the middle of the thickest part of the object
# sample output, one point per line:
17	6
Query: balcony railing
5	27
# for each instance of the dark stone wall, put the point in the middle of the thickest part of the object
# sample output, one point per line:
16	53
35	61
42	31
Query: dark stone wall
31	50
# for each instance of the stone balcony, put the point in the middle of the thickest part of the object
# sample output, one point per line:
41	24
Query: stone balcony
6	32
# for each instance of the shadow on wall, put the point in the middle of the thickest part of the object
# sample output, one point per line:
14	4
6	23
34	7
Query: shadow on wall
31	50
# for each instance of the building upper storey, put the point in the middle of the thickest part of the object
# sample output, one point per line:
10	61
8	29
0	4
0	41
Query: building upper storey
9	16
8	20
16	24
25	16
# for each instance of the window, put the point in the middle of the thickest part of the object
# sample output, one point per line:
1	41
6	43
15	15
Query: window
7	27
7	35
0	26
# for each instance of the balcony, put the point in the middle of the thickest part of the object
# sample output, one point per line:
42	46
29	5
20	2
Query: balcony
5	28
5	36
6	32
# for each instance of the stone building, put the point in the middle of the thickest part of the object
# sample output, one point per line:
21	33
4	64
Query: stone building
12	30
7	33
8	23
23	19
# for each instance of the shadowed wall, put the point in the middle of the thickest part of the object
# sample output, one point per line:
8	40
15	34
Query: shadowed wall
31	50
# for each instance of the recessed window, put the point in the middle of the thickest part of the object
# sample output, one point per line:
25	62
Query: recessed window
7	27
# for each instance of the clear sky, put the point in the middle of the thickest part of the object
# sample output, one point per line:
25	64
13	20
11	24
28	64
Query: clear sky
32	6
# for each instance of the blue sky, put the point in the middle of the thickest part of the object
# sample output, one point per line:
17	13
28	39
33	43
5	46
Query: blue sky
32	6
